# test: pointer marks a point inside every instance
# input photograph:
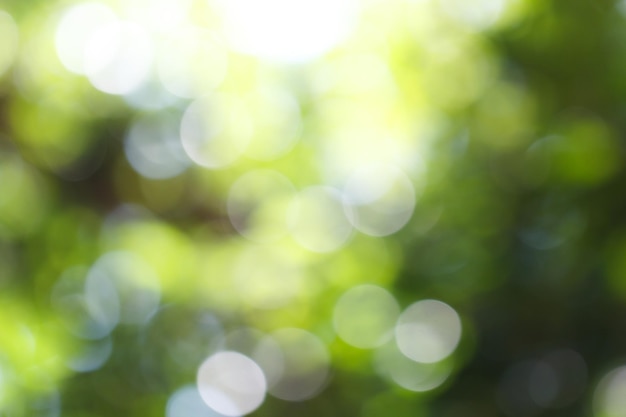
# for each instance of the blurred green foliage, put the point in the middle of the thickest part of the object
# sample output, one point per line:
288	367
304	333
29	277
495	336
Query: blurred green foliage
468	152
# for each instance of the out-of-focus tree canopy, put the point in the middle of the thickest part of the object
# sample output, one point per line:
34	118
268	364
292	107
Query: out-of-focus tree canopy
373	208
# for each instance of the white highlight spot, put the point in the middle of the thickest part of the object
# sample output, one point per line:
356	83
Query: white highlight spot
231	383
365	316
77	26
118	57
428	331
159	16
287	30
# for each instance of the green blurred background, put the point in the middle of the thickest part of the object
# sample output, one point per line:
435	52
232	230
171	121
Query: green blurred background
405	208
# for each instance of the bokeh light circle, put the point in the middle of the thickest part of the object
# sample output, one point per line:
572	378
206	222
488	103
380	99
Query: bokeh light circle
231	383
610	395
153	147
365	316
428	331
296	362
76	27
72	304
187	402
216	130
135	285
102	304
380	199
271	358
118	57
317	220
394	366
92	357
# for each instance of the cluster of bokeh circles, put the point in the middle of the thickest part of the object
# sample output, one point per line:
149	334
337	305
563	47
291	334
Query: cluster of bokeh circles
202	104
426	333
304	156
192	115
